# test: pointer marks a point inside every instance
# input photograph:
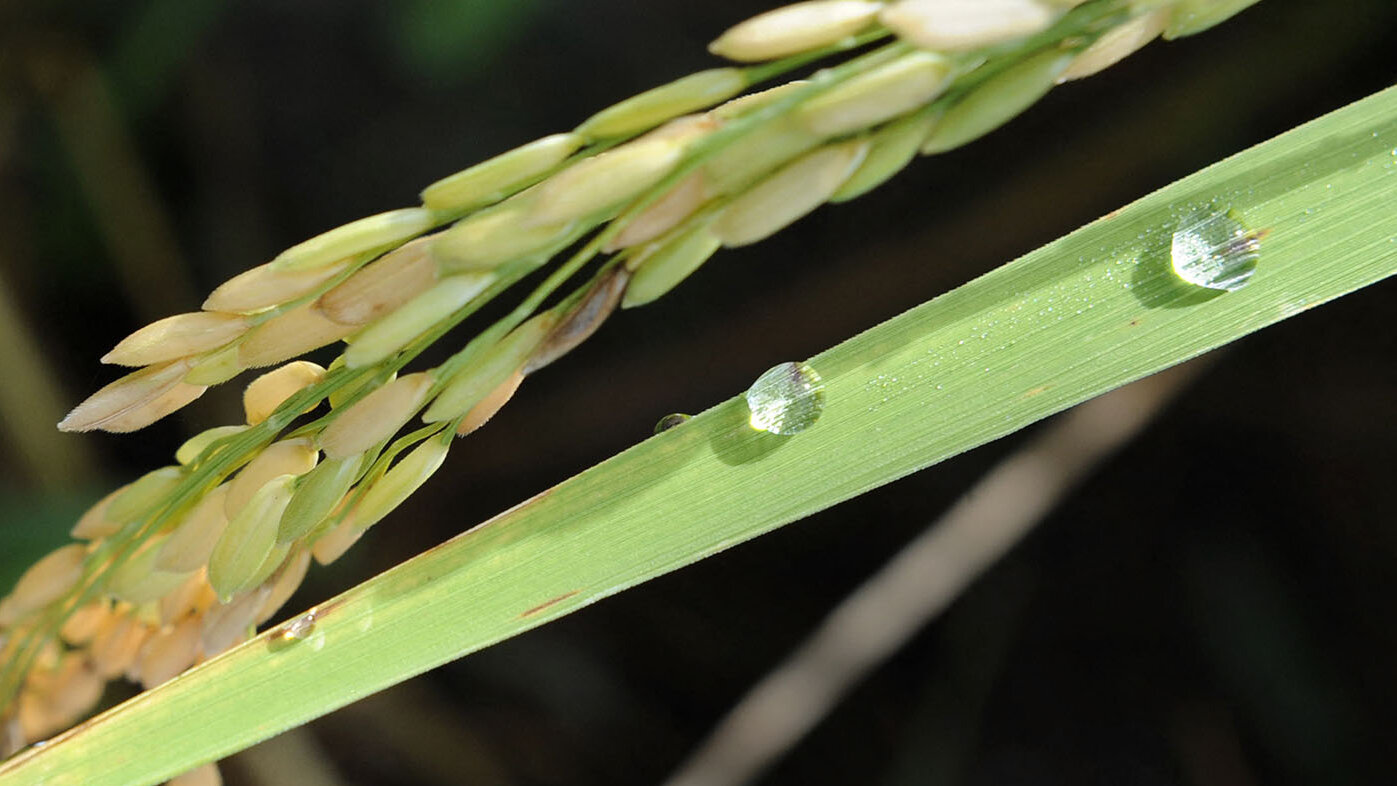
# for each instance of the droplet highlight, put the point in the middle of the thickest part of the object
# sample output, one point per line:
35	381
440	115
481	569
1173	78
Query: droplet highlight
787	399
670	421
1214	250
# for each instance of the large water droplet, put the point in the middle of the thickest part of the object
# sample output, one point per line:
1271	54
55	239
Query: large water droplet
787	399
1213	249
670	421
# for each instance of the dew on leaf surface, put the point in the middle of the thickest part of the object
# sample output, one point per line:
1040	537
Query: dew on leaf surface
670	421
787	399
1212	249
299	628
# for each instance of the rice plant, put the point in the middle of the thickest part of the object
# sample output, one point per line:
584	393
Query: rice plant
185	562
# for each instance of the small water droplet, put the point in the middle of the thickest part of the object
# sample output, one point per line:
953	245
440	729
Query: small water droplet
299	628
787	399
670	421
1215	250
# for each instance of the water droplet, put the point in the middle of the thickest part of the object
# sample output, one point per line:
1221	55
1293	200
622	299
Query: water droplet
1215	250
787	399
299	628
670	421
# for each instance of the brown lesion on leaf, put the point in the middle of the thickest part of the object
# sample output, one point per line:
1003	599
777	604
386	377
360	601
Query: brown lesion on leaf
547	603
1031	392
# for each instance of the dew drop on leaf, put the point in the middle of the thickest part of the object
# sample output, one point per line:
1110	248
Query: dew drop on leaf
299	628
1213	249
670	421
787	399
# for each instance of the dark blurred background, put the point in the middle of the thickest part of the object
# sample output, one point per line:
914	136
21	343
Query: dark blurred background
1213	607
